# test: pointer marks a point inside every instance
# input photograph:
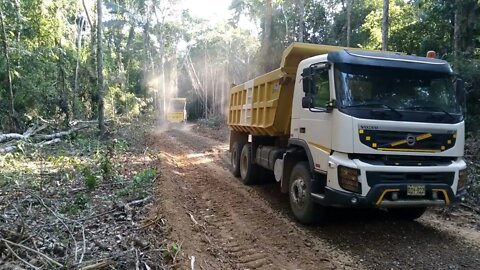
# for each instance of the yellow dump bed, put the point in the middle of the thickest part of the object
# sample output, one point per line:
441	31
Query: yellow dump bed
263	106
176	112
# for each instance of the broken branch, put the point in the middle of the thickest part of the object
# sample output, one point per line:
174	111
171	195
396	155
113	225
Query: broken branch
34	251
18	257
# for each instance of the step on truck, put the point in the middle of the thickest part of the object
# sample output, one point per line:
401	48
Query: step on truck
344	127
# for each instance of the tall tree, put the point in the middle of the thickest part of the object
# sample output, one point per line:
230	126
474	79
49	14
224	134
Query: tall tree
466	16
101	87
13	119
301	14
80	27
267	36
385	23
349	21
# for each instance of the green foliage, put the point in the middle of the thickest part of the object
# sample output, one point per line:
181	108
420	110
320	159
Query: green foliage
212	122
121	145
90	179
106	168
79	204
121	103
140	184
171	251
151	56
470	70
472	154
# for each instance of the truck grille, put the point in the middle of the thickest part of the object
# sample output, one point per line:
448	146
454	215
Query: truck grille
403	141
374	178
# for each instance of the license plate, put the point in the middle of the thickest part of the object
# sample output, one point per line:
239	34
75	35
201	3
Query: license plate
416	190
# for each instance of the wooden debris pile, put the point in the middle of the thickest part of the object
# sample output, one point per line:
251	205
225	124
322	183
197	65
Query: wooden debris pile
37	233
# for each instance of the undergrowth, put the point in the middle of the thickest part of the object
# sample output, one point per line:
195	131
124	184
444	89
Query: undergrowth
472	156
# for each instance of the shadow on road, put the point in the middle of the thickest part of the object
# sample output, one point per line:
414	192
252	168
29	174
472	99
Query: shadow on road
382	241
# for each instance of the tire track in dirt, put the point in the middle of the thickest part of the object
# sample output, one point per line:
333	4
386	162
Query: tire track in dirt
368	236
236	228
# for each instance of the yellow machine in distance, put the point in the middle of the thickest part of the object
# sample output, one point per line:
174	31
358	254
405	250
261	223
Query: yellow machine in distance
176	110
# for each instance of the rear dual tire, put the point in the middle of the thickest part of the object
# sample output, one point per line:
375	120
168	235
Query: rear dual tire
303	207
235	158
248	169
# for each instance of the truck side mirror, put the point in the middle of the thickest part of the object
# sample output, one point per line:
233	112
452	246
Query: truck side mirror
307	102
460	92
307	78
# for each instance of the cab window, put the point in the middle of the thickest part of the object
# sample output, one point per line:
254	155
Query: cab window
321	91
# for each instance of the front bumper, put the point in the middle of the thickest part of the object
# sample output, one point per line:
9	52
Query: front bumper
386	186
378	197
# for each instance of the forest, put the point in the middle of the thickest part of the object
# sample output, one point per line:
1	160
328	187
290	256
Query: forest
72	60
84	90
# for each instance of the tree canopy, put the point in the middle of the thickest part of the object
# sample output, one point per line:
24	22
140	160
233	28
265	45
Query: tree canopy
153	50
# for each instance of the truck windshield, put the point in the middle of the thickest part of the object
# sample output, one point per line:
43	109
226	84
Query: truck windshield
396	90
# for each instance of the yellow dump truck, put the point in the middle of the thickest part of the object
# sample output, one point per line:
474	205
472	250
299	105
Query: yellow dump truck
346	127
176	111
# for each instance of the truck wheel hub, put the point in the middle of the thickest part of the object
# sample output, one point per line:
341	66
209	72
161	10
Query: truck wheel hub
299	191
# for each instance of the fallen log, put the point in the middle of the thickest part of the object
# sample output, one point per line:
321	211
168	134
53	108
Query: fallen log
8	149
45	139
16	136
59	134
76	122
13	148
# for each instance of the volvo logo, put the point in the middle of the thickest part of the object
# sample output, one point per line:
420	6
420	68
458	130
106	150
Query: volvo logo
411	140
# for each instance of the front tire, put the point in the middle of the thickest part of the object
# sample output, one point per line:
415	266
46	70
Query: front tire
248	169
409	213
304	209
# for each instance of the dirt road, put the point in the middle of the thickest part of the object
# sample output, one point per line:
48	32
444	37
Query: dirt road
226	225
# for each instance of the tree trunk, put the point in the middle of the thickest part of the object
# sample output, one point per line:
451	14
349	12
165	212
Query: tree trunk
13	117
301	11
146	48
349	21
86	13
267	36
287	36
464	29
101	89
205	81
457	29
92	67
385	23
62	94
80	26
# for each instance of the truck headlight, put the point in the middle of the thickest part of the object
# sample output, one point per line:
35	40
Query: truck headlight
462	179
348	179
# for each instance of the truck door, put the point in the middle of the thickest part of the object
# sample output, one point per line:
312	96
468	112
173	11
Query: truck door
314	122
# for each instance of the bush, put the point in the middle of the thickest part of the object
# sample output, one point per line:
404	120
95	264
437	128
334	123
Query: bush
213	122
472	156
140	184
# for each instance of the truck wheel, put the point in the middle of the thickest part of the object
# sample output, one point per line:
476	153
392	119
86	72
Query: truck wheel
248	169
303	207
235	158
409	213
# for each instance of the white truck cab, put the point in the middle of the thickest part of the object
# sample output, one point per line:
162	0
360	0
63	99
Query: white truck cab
397	126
